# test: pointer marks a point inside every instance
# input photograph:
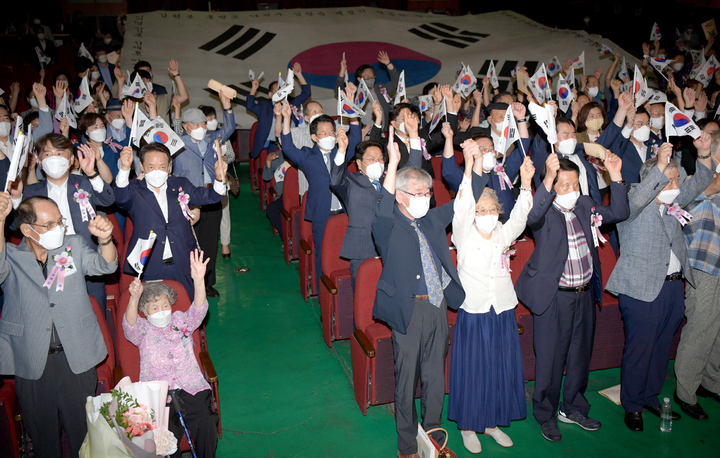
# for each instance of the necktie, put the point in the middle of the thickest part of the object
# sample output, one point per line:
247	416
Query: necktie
376	183
432	279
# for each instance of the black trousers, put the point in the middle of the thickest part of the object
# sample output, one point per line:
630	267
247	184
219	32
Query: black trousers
200	420
208	234
563	336
56	402
274	213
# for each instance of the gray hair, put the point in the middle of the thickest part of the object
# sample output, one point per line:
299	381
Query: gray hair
153	291
407	175
650	163
487	192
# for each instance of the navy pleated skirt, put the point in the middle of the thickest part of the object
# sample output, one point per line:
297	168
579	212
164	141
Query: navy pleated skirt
487	385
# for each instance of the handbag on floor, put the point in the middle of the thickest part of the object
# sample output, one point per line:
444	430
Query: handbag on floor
427	447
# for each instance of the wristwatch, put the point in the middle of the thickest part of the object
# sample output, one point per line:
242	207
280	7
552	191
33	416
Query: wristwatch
704	157
620	182
92	177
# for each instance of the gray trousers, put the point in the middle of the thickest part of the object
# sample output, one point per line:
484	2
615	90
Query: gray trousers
420	353
698	355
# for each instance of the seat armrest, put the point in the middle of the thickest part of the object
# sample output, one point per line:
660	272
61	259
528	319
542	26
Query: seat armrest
273	193
208	367
306	248
287	216
364	343
521	330
117	375
329	285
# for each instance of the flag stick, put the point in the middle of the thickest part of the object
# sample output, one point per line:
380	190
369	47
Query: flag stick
663	75
196	239
522	148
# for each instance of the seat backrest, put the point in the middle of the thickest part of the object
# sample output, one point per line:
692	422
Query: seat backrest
442	194
523	250
332	243
252	135
305	226
459	157
262	158
366	281
118	238
128	354
290	189
107	337
352	167
128	229
436	162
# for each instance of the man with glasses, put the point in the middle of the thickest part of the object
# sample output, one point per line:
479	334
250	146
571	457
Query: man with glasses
640	144
77	196
50	339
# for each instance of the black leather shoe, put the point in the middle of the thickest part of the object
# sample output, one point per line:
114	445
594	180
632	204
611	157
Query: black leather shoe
226	256
691	410
211	292
656	411
634	421
705	393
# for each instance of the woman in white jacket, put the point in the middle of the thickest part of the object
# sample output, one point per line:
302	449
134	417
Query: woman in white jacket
487	386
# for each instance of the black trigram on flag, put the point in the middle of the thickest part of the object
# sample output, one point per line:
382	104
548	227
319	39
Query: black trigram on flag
447	34
243	90
248	42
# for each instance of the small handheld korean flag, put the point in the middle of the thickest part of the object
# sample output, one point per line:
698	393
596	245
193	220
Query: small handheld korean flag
537	84
570	80
508	133
705	75
363	94
545	118
83	52
637	82
677	124
285	88
513	72
347	108
554	67
83	98
136	89
579	62
18	128
12	173
643	95
696	53
658	64
605	50
655	32
657	97
65	111
565	95
400	93
442	112
425	102
42	58
492	75
141	123
160	132
699	64
141	252
251	75
623	72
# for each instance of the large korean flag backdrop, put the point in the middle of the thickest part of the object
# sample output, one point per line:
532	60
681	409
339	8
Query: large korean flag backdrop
224	46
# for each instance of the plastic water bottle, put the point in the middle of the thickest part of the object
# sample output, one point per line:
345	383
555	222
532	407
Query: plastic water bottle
666	416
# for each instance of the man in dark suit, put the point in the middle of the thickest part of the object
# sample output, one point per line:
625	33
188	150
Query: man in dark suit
156	204
560	285
157	89
315	162
77	196
641	146
107	70
263	109
418	282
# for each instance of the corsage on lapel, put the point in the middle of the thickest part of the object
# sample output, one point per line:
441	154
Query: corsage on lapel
82	197
184	199
64	265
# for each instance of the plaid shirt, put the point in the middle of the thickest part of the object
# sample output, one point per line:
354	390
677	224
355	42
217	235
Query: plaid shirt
578	268
702	234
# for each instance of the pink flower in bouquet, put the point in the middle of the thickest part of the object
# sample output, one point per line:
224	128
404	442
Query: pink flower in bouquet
165	441
183	198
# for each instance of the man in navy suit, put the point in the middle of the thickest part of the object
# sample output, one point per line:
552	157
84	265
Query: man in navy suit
77	196
418	282
567	146
560	284
107	70
155	204
641	145
315	162
263	109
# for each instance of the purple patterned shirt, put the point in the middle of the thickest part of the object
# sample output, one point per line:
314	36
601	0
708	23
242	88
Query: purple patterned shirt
167	354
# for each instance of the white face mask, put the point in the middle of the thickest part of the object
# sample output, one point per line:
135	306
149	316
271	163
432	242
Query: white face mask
102	58
486	223
418	207
642	134
107	41
668	196
593	91
198	133
41	36
498	126
95	76
677	66
374	171
98	135
51	239
327	143
212	125
568	200
401	128
657	123
488	161
33	103
160	319
313	118
5	129
156	178
567	147
55	166
118	123
149	86
36	21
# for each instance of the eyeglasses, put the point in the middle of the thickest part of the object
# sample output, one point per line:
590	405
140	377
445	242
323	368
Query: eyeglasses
487	150
487	211
50	226
639	124
428	194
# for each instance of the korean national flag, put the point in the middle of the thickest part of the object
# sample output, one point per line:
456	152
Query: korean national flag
141	251
508	133
606	50
565	95
545	118
425	102
677	124
83	98
347	108
160	132
655	32
136	89
579	62
441	113
699	64
705	75
492	75
363	94
400	93
538	84
554	67
285	88
65	111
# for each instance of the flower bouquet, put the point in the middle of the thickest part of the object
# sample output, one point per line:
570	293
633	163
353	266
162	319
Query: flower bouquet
130	421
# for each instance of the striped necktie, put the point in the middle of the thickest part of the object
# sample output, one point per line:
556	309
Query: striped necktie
432	279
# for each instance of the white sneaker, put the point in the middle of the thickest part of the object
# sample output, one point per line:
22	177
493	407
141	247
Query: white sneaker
500	437
471	441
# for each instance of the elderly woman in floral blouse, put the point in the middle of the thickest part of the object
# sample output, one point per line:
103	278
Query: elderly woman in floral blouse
166	352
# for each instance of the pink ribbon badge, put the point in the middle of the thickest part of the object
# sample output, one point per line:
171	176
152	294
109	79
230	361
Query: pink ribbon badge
595	222
183	200
114	146
63	261
500	172
423	146
384	92
82	197
681	215
505	258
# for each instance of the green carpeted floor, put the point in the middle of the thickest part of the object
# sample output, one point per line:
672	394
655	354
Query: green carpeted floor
284	393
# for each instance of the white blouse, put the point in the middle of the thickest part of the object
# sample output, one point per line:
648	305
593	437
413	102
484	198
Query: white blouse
485	282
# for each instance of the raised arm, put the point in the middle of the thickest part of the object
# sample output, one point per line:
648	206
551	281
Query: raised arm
174	70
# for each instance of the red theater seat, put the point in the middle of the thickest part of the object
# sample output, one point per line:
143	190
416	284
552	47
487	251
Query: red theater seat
253	163
291	214
442	193
336	293
306	255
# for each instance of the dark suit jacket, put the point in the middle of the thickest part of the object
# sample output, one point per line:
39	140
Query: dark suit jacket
146	216
398	244
98	199
538	283
390	87
311	162
263	109
631	161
